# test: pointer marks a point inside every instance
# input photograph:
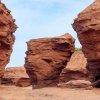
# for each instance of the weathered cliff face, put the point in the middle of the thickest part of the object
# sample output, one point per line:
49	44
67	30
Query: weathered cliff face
87	25
46	58
7	28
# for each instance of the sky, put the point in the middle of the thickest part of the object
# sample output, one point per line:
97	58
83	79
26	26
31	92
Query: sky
42	18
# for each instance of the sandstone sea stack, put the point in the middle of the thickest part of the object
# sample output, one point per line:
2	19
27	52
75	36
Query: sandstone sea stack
87	25
7	28
46	57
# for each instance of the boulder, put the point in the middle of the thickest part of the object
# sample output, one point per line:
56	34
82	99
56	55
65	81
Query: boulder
87	25
46	57
23	82
7	28
76	84
73	74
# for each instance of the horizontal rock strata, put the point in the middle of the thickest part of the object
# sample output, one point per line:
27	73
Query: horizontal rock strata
46	58
75	69
76	84
16	76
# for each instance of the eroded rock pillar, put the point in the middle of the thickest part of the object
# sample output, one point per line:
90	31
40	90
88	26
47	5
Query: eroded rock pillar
46	57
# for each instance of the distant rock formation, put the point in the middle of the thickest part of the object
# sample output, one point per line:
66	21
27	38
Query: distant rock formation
16	76
7	28
75	69
46	58
87	25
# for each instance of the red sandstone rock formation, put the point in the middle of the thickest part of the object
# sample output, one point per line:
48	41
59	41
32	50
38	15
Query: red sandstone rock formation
7	28
87	25
46	58
76	84
75	69
16	76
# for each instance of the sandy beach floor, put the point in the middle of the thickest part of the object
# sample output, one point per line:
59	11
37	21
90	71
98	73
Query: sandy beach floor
49	93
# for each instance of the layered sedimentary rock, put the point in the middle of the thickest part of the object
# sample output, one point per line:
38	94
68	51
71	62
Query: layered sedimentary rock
87	25
7	28
75	69
16	76
76	84
46	58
